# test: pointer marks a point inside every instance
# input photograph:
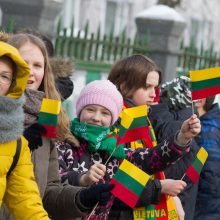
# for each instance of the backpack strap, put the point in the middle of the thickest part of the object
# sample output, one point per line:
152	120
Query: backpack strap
16	157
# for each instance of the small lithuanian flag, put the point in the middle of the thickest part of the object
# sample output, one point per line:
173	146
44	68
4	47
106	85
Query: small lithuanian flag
134	125
205	83
48	116
195	168
129	182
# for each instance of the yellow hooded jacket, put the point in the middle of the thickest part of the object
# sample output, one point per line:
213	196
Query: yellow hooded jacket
19	190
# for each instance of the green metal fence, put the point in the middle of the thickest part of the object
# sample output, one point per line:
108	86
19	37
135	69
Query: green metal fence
88	49
9	27
193	58
96	53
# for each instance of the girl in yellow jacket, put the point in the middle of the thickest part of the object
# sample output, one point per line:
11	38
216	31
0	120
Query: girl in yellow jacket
18	189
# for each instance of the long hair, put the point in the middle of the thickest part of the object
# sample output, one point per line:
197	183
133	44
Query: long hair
209	103
132	72
48	83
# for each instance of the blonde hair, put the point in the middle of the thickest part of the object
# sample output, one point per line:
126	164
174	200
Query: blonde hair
48	84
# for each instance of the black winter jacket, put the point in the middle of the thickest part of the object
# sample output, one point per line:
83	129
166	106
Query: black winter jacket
166	123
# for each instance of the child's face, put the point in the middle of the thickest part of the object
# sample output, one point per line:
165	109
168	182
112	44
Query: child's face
35	60
96	115
144	96
6	76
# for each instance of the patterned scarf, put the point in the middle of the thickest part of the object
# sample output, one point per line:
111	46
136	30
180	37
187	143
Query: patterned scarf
98	138
165	204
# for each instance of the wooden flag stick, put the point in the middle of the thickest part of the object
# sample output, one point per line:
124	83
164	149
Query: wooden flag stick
193	111
183	176
110	156
92	211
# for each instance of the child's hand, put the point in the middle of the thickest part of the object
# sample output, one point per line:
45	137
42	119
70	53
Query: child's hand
94	174
172	187
179	208
190	128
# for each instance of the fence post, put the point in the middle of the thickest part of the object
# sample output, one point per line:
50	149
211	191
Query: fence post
164	27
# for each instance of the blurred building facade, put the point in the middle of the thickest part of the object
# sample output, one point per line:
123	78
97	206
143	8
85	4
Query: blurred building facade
39	15
202	16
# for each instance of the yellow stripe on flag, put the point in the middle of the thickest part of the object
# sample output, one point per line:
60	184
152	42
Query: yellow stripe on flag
199	75
51	106
126	120
133	171
137	112
202	155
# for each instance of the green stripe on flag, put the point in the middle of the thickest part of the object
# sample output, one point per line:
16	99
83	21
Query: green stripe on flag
48	119
128	182
139	122
205	84
122	131
197	164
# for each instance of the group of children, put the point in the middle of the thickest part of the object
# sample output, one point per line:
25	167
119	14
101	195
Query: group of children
84	165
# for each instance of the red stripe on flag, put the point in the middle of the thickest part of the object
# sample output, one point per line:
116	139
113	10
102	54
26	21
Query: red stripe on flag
192	174
134	134
51	131
203	93
123	193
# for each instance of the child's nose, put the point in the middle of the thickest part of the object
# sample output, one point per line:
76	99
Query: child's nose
96	116
31	71
153	93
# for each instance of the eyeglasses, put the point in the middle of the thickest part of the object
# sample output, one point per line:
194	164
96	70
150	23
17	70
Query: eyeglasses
5	79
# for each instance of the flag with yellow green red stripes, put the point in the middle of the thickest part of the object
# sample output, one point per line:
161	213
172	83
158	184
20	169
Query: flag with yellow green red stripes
205	83
134	125
195	168
129	182
48	116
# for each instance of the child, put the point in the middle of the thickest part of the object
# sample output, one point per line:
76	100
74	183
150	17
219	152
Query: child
18	187
98	107
138	78
166	117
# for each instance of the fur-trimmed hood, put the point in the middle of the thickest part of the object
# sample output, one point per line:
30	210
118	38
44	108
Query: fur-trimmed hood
62	67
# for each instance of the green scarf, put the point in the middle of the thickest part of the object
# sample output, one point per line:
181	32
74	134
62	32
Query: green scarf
97	138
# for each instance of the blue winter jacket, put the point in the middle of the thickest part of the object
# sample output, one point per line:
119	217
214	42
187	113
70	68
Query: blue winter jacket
208	198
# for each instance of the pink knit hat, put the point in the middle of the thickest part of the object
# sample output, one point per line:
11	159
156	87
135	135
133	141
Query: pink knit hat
101	92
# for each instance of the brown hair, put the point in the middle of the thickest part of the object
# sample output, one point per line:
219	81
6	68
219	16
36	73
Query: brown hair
208	103
132	72
48	83
14	70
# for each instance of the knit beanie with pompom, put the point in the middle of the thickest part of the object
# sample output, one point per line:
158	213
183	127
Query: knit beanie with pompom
101	92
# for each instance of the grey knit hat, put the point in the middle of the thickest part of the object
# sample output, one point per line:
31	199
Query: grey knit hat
176	93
